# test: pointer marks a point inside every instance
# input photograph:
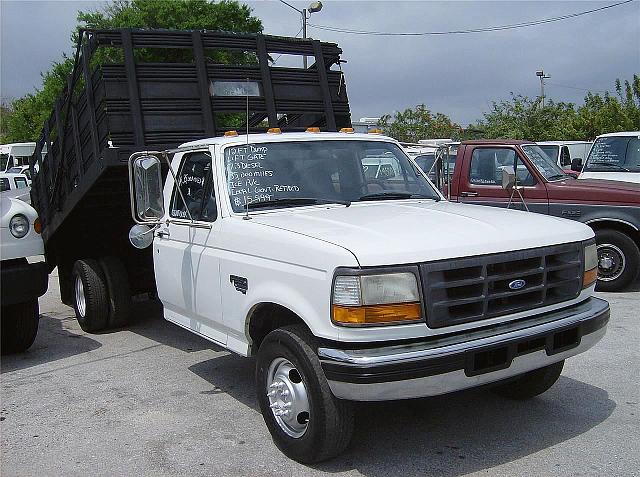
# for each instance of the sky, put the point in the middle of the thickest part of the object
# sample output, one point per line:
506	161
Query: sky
459	75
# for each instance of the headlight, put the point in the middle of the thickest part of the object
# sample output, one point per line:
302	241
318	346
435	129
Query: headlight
590	265
19	226
376	299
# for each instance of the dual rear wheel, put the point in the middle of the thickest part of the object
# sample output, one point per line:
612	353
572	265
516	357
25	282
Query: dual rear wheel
101	293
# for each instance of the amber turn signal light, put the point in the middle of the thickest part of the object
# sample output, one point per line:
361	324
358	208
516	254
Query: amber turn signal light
589	277
313	129
230	133
346	130
37	226
274	131
376	314
375	131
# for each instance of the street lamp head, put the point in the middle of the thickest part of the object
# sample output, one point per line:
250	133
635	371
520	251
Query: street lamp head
540	73
314	7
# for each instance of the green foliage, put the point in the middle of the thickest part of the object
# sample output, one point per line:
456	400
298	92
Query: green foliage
411	125
29	112
524	118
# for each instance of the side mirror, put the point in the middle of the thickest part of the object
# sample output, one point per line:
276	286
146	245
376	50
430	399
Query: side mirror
508	178
145	183
576	164
141	236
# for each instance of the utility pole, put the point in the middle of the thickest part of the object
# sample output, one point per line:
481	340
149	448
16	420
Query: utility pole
305	12
540	74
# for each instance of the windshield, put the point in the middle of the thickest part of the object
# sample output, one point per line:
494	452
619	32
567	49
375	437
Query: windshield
551	151
546	166
15	170
329	171
617	153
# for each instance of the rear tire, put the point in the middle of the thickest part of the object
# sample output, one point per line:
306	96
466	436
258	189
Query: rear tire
19	326
621	256
530	384
321	425
90	295
119	291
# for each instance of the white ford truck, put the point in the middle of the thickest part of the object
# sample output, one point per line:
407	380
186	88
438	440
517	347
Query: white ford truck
354	287
21	282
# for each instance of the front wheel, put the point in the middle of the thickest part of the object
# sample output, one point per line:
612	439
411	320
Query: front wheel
530	384
618	260
306	422
19	326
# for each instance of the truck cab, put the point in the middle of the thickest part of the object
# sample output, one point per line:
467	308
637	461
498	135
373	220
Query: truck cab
614	156
348	286
611	208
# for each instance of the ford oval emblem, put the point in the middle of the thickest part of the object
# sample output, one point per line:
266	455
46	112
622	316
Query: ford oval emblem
517	284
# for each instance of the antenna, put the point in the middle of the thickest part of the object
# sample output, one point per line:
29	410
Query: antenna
246	202
246	92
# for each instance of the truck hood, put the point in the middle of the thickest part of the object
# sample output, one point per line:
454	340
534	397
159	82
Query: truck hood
595	190
410	231
612	176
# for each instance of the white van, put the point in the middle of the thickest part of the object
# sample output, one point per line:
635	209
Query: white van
564	152
614	156
15	155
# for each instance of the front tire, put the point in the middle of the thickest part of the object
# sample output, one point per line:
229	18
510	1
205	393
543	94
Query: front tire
307	423
530	384
90	298
618	260
19	326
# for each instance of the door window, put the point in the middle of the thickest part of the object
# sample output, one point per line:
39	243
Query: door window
4	184
21	182
565	157
195	180
487	164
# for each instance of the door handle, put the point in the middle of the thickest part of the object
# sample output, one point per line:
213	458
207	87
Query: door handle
466	193
162	233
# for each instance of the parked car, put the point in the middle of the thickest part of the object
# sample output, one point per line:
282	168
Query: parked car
563	152
15	154
24	170
614	156
611	208
15	185
21	282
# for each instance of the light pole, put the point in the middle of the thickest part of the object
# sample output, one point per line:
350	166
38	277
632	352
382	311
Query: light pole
312	8
540	74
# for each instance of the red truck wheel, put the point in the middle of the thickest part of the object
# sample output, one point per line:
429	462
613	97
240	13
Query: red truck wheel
618	260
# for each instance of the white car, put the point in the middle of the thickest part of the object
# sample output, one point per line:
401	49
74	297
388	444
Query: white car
24	170
614	156
15	186
21	282
565	152
348	286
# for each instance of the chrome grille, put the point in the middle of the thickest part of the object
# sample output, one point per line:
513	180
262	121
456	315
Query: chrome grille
476	288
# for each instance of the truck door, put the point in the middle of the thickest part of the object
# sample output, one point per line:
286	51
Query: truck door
481	180
186	260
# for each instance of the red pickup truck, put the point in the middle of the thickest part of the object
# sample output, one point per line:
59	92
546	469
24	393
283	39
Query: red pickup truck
611	208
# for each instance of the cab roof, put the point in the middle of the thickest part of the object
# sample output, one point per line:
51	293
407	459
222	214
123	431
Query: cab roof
623	133
282	137
497	142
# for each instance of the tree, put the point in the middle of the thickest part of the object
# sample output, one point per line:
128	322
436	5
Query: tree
525	118
411	125
30	111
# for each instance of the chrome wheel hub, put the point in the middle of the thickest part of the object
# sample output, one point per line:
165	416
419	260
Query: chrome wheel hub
288	397
611	262
81	302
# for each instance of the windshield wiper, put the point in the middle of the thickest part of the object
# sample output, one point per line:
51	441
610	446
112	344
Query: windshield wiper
396	195
296	201
609	164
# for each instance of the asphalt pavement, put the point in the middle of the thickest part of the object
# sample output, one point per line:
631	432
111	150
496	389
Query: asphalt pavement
153	399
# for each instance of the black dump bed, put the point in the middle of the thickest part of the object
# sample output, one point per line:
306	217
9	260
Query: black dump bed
117	101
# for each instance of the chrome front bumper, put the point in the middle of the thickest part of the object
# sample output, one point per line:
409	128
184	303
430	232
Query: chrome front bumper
464	360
